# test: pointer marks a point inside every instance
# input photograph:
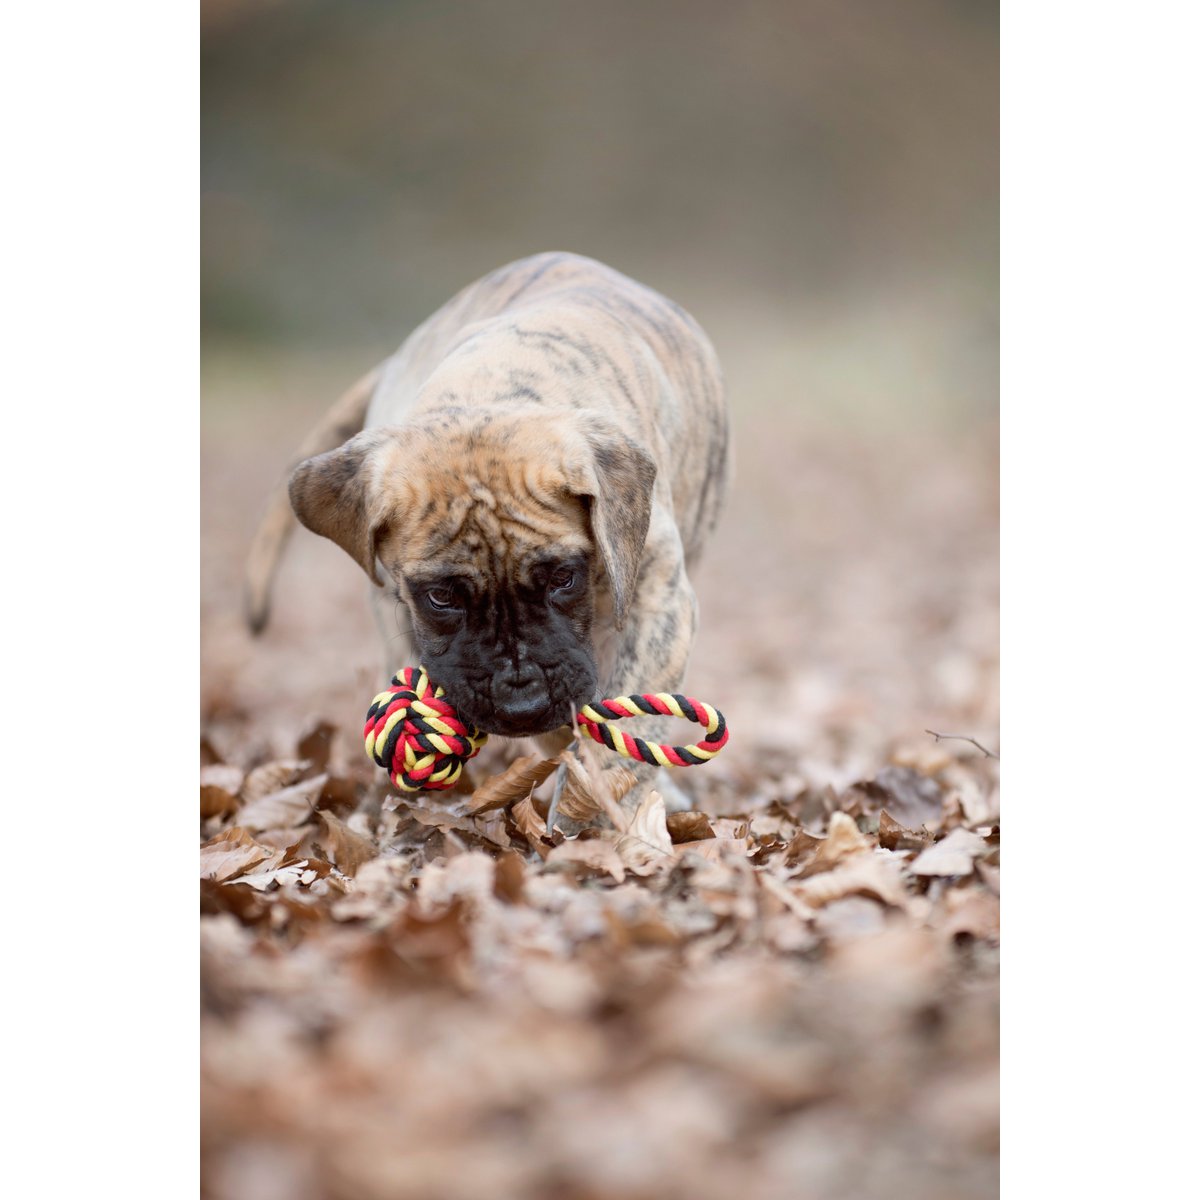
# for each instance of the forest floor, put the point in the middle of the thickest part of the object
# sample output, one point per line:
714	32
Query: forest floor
794	994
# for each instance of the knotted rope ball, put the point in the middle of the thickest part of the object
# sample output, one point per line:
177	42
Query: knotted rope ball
423	744
416	736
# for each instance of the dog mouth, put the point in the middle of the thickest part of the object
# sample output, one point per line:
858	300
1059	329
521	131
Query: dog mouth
534	703
503	726
516	721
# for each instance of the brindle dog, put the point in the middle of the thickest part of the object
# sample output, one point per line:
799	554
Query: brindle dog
537	468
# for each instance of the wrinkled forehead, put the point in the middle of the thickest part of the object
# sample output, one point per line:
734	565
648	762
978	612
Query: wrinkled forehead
483	529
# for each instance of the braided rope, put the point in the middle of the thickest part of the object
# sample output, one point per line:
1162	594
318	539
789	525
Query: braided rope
422	743
595	720
416	736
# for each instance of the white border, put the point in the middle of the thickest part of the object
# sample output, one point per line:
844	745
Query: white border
101	393
1099	545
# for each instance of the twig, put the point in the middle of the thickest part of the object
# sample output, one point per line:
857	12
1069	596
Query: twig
961	737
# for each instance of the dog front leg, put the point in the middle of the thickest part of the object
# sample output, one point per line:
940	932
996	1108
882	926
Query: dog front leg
651	655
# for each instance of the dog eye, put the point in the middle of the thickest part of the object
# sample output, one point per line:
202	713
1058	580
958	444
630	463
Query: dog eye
440	597
562	579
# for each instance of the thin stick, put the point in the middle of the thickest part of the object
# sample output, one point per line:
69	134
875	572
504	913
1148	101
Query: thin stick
961	737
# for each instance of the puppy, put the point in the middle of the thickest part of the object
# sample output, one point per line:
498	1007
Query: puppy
526	483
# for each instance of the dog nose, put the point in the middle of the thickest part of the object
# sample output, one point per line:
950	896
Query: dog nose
521	700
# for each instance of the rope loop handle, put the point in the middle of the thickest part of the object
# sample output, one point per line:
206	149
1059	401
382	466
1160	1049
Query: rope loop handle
596	719
416	736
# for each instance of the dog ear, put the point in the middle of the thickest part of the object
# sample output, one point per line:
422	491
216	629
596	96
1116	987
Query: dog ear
620	485
332	496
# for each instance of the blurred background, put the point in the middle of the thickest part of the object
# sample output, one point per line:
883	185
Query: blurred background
817	182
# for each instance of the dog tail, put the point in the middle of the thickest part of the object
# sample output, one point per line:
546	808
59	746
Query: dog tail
340	423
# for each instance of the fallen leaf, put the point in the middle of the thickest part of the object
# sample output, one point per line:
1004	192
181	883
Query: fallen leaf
231	853
863	875
844	841
509	883
645	847
272	777
595	853
955	854
439	818
284	809
219	787
338	793
520	778
978	807
802	847
590	790
784	894
264	880
345	847
689	827
893	835
223	775
316	744
531	825
912	798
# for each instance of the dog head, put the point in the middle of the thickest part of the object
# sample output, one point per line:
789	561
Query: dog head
495	528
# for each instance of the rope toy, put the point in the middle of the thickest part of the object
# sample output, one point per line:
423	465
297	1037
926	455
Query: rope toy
416	736
594	720
423	744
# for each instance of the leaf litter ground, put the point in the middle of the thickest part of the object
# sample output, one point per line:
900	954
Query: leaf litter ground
790	992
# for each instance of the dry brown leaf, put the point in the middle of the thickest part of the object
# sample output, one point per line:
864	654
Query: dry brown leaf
338	793
728	827
231	853
284	809
272	777
345	847
219	787
646	847
955	854
596	853
714	849
529	822
509	883
380	886
518	780
862	875
689	827
784	894
316	744
263	878
844	841
492	827
802	847
440	818
223	775
978	806
590	791
912	798
215	802
893	835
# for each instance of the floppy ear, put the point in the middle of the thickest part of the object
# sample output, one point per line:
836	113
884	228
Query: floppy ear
621	486
332	495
